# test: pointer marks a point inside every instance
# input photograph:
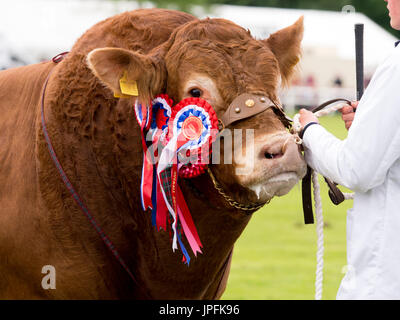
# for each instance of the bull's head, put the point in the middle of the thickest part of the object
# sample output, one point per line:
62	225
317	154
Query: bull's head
218	61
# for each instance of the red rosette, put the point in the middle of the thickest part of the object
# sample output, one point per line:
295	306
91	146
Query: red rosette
162	114
196	120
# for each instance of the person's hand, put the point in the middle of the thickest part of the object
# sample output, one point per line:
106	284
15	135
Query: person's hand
306	117
348	114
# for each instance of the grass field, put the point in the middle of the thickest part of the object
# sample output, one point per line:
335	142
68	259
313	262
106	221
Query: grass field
275	258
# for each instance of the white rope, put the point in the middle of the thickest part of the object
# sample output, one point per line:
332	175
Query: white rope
348	196
319	273
329	110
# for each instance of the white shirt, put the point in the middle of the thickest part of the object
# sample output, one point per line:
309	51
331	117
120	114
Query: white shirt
368	162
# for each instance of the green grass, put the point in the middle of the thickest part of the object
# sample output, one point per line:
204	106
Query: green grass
275	258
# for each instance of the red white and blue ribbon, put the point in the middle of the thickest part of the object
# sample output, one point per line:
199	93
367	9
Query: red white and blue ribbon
188	127
161	111
153	122
143	116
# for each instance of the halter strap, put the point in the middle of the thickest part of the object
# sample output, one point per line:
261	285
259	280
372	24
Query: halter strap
248	105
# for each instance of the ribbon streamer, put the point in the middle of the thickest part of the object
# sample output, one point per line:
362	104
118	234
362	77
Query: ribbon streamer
143	115
189	127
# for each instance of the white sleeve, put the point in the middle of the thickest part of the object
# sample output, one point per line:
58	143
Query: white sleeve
361	162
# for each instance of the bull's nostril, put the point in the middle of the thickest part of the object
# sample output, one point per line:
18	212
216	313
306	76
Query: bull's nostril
268	155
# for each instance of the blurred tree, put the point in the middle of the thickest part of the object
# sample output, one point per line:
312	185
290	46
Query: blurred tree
182	5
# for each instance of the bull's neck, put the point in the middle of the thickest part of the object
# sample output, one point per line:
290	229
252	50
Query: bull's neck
102	155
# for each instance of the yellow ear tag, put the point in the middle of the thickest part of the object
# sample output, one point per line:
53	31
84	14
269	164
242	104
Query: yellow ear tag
117	95
128	88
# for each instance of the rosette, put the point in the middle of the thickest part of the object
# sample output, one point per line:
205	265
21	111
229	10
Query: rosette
197	123
180	137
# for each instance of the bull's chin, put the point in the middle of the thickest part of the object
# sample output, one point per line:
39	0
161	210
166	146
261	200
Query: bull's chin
278	185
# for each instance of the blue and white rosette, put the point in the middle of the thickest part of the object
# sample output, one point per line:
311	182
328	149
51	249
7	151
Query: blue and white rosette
183	115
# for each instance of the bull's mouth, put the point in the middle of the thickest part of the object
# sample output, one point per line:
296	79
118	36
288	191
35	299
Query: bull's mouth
283	177
277	185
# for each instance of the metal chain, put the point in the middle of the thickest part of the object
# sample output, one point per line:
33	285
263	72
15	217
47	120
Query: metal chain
230	200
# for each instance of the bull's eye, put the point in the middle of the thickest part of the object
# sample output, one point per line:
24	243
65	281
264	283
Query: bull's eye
195	93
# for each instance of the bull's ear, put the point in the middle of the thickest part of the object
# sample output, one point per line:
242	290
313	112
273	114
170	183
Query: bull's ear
286	46
128	73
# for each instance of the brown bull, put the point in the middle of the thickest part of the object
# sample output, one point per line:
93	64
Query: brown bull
97	141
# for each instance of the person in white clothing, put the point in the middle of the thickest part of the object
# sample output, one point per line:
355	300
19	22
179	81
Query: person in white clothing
368	162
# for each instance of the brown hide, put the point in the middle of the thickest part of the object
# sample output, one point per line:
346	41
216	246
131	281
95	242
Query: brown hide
97	141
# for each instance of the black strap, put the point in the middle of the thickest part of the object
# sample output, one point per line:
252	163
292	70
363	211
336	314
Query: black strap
306	195
327	103
335	194
301	134
359	36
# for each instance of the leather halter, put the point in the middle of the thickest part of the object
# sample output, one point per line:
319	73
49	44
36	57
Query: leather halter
246	106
